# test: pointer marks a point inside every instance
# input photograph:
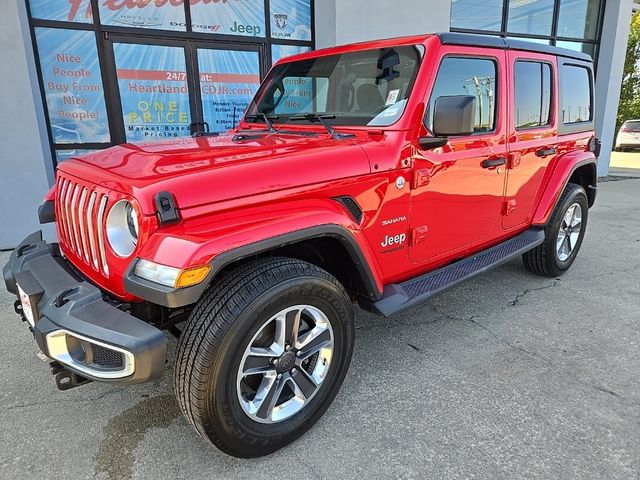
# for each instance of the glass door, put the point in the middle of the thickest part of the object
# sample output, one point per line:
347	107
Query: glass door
154	89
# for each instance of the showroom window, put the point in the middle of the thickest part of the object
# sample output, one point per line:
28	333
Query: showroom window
468	76
113	71
573	24
532	94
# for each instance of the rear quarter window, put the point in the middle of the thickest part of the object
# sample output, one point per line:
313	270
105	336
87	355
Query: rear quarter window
575	95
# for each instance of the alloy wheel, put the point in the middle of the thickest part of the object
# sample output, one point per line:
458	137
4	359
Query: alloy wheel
569	232
285	364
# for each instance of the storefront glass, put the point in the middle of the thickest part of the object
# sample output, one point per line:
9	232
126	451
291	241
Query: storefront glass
72	83
62	10
246	18
228	80
290	19
156	68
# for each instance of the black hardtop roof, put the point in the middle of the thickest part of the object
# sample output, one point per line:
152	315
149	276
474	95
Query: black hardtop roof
473	40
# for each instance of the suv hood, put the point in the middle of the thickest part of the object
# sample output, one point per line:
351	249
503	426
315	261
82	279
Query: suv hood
209	169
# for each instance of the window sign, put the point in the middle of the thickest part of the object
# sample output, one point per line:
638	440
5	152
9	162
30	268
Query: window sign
245	18
153	90
73	85
229	80
158	14
279	52
290	19
62	10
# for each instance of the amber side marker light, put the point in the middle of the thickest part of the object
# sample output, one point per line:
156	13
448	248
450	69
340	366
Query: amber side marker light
192	276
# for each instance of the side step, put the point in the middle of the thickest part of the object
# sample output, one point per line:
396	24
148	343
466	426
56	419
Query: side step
399	296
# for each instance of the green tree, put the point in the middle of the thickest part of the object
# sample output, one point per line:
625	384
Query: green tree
630	92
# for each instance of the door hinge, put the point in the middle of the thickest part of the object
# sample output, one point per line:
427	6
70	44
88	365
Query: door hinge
508	207
419	234
420	178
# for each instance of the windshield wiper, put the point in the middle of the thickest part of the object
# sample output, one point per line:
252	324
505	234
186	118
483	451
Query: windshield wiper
267	120
314	117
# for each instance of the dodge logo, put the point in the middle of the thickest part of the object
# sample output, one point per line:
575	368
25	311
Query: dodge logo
282	20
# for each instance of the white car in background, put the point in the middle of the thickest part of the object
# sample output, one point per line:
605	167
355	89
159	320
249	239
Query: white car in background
628	136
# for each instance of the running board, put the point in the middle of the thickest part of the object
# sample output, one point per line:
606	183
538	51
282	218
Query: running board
399	296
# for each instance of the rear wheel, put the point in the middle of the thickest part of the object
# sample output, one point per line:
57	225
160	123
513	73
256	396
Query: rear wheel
563	235
263	355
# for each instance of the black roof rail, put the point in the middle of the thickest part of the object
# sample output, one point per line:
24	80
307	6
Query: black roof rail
492	41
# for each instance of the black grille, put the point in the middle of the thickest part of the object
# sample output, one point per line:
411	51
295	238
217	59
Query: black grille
352	206
106	358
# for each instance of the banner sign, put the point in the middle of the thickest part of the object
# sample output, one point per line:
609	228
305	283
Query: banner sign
62	10
290	19
73	85
229	79
229	17
153	90
158	14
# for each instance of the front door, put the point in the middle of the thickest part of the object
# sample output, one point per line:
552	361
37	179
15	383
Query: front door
171	88
457	190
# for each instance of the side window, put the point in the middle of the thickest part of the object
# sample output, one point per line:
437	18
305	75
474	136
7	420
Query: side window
468	76
575	94
532	94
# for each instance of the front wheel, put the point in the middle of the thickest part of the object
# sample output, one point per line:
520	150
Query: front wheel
563	235
263	355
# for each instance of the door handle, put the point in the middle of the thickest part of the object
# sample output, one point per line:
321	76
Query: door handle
494	162
544	152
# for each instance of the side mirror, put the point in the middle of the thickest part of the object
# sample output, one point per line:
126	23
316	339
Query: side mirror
454	115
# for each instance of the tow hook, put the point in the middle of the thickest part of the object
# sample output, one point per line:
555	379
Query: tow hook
66	379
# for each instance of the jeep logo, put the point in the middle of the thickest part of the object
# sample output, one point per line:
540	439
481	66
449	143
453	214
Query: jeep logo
250	29
395	240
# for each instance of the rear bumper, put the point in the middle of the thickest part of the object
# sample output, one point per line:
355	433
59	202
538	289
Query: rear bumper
76	325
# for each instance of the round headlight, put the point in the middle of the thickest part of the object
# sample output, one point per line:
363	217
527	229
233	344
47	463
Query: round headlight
122	228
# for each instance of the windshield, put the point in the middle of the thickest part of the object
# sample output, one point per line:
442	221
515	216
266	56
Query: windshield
369	87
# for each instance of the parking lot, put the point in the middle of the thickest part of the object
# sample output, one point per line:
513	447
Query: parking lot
507	376
625	163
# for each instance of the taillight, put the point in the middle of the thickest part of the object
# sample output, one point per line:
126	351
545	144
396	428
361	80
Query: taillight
625	129
594	146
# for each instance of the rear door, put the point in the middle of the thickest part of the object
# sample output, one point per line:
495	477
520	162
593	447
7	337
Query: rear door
533	132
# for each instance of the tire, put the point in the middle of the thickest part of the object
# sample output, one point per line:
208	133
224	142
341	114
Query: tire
548	259
221	334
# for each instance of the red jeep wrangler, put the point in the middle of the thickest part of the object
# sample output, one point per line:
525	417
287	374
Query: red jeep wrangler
380	174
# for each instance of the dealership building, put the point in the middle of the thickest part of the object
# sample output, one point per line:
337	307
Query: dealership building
83	75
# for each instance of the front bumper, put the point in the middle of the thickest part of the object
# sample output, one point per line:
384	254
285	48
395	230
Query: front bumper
76	325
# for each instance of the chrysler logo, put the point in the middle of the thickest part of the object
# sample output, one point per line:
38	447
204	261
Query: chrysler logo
282	20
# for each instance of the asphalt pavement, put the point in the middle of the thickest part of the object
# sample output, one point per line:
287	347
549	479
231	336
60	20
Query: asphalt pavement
508	376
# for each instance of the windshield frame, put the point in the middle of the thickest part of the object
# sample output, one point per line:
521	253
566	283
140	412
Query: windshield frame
284	120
